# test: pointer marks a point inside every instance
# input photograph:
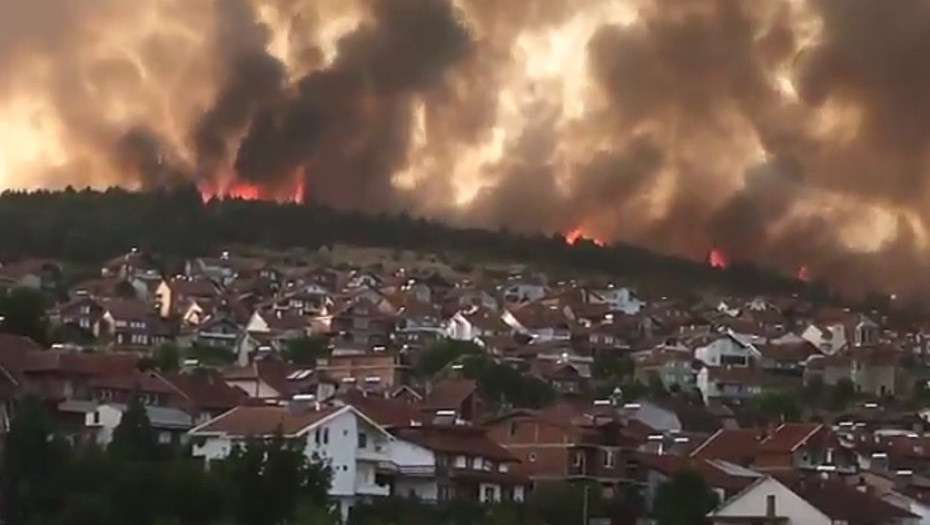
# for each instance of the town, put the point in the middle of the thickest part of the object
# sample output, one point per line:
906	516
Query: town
412	378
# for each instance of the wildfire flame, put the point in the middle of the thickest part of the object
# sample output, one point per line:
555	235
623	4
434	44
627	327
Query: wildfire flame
804	274
577	235
717	259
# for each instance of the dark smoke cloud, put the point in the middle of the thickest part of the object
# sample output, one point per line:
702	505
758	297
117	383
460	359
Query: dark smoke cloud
697	144
349	124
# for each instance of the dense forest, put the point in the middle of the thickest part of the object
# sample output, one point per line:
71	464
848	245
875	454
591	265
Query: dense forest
89	226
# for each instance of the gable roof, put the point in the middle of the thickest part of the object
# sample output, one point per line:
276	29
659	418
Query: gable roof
735	445
249	421
456	439
449	394
788	437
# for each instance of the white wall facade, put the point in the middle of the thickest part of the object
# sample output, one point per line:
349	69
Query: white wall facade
752	502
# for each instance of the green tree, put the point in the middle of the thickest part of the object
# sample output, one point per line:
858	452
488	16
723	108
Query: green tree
843	393
272	480
33	461
685	499
779	406
167	358
24	313
814	390
134	439
441	354
565	503
503	384
613	366
306	350
655	386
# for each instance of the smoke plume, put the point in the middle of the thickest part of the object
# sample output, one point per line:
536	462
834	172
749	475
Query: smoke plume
793	133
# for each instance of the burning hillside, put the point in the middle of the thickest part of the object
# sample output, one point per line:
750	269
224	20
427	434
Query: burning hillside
788	132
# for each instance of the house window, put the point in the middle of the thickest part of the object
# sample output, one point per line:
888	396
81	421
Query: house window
609	458
362	440
513	428
316	437
578	459
488	494
326	436
532	457
96	417
469	462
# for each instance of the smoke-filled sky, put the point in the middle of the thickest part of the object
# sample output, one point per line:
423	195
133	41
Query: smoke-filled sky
790	132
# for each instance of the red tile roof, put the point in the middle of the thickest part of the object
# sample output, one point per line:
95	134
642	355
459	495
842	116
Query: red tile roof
206	390
669	465
734	445
841	502
245	421
459	440
387	412
789	437
449	394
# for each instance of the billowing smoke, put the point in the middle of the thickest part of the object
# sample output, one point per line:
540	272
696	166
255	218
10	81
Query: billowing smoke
788	132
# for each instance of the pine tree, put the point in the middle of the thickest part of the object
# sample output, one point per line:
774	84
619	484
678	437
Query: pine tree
133	438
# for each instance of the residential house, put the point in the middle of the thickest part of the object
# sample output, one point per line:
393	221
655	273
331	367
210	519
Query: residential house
522	290
260	379
362	321
808	502
453	400
566	442
132	265
672	365
220	331
170	425
357	449
476	322
82	317
728	350
540	321
729	383
175	297
873	369
375	370
37	274
462	463
723	478
793	446
134	323
619	299
739	446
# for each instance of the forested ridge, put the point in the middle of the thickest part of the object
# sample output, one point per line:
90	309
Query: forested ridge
89	226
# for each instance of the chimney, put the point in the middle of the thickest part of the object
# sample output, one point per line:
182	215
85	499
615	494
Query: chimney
770	509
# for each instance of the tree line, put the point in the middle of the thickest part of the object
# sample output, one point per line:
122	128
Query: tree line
90	226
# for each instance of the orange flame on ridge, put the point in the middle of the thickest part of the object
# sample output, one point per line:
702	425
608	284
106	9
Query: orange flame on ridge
717	259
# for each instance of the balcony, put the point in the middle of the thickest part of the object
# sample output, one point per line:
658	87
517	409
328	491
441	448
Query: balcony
373	452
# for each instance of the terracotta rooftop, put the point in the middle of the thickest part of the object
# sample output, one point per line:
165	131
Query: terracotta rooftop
244	421
456	440
789	437
734	445
449	394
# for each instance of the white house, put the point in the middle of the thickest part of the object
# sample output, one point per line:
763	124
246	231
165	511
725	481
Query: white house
811	502
432	463
728	350
829	339
352	444
620	299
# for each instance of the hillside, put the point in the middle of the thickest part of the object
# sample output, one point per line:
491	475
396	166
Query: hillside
89	226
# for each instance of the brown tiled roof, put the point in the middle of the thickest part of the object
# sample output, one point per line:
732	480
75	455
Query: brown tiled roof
789	436
197	287
128	309
734	445
538	315
146	382
449	394
18	269
206	390
669	465
247	421
458	439
841	502
387	412
270	371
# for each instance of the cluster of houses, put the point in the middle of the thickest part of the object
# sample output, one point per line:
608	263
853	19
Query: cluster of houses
385	432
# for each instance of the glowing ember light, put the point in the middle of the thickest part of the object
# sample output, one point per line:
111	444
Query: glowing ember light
717	259
573	236
577	235
804	274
